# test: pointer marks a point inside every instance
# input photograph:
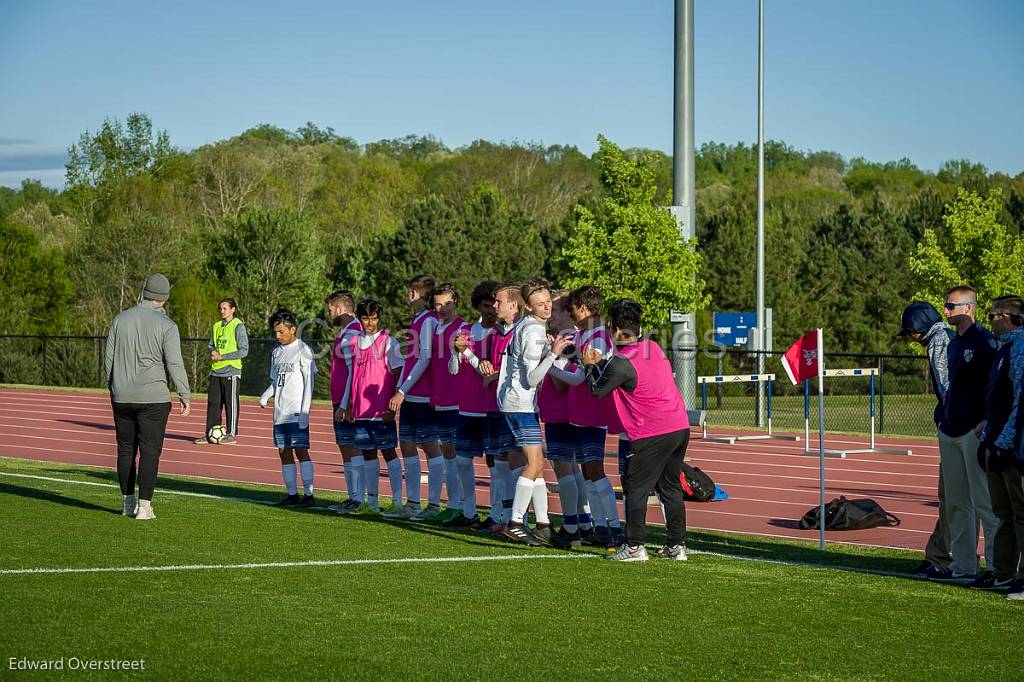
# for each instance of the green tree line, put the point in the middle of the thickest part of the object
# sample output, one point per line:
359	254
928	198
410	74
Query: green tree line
276	217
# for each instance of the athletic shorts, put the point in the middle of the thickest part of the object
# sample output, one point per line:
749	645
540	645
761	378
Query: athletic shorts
559	443
525	428
623	456
590	443
470	436
375	435
289	435
417	423
499	436
344	432
447	424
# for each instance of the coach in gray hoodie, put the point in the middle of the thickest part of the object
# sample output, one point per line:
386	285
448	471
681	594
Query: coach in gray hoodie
922	323
143	348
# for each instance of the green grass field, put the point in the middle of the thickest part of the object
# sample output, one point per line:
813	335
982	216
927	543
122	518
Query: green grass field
741	607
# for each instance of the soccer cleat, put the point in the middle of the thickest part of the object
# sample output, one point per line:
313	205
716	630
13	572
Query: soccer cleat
563	539
289	501
307	501
449	514
951	576
988	581
227	439
428	513
459	521
346	507
144	511
516	532
406	511
498	529
627	553
1016	592
483	526
616	539
128	505
201	441
369	508
544	535
598	538
674	552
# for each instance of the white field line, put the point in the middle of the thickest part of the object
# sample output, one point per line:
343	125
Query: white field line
289	564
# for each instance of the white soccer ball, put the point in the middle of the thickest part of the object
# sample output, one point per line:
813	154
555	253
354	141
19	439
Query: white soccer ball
216	434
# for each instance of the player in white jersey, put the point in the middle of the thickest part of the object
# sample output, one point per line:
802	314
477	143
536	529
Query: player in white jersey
524	365
292	369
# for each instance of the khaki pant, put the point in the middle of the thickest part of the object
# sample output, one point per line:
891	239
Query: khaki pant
937	549
967	501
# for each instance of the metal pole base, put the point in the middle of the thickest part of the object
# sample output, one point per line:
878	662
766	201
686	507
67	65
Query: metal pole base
862	451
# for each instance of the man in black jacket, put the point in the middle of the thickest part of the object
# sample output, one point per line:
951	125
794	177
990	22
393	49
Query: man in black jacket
971	353
1000	443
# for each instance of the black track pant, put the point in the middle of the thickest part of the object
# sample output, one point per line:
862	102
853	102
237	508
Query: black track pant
1008	505
655	464
140	428
222	393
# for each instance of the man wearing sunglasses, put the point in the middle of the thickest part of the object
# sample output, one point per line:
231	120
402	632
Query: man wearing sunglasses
1000	444
971	353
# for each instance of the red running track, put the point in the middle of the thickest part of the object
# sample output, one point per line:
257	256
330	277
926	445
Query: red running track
770	483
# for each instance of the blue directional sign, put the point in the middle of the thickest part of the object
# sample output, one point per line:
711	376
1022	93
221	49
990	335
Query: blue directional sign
734	329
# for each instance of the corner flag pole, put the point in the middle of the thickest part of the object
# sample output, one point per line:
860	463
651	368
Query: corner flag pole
821	441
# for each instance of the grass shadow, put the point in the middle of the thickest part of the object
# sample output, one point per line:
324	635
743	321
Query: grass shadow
56	498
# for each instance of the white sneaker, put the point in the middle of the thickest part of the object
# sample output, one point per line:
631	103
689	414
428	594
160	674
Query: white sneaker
144	511
627	553
128	505
674	552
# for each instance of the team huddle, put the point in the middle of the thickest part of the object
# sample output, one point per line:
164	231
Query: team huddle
538	376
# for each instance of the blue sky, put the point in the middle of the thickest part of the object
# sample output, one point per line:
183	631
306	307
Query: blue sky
883	79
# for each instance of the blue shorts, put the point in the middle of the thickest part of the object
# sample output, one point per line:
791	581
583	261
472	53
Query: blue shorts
344	432
590	443
525	428
447	425
375	435
416	423
560	443
291	436
470	436
499	436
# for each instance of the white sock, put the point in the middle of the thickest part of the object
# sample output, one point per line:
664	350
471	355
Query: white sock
467	481
307	476
540	500
569	495
349	470
596	504
604	490
288	474
452	484
413	473
435	479
510	493
358	492
371	477
521	502
395	479
499	479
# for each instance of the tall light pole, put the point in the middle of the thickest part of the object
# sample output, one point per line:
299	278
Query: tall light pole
760	337
684	332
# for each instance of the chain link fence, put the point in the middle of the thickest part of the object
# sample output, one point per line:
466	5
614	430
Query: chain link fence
904	401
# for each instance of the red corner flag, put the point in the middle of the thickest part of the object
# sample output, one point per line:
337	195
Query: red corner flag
801	359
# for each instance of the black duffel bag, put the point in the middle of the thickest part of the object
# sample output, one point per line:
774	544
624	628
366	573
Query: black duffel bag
844	514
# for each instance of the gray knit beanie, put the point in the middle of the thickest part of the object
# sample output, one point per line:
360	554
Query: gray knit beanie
156	288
